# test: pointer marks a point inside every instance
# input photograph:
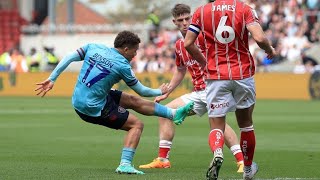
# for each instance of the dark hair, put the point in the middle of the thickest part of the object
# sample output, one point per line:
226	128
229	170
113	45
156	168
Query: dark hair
126	39
180	9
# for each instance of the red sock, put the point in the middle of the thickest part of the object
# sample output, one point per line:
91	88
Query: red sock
239	157
164	149
164	152
248	144
216	139
237	153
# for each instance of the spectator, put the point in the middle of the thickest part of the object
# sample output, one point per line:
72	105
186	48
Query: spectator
18	62
5	60
51	59
34	60
154	20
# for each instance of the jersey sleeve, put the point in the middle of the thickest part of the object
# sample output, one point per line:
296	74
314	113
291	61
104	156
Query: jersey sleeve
128	76
63	64
250	15
130	79
145	91
82	51
196	25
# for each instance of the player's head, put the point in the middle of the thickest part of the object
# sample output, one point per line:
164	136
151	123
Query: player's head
181	17
127	43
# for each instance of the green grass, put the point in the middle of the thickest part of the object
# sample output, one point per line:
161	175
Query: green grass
45	139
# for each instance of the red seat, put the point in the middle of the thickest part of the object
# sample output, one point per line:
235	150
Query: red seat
6	31
10	44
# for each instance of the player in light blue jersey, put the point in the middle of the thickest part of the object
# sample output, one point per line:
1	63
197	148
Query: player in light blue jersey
95	102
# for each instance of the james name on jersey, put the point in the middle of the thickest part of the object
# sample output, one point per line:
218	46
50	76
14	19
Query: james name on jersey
223	7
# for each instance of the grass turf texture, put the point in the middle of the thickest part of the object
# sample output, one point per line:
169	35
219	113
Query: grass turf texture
45	139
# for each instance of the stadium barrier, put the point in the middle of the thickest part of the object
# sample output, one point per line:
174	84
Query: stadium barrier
269	85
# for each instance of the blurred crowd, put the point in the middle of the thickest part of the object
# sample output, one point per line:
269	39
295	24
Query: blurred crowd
292	26
16	61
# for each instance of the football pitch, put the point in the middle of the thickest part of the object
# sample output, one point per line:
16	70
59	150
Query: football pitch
43	138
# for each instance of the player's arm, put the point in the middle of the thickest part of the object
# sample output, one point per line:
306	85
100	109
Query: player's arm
189	44
63	64
48	84
130	79
253	26
177	78
259	36
145	91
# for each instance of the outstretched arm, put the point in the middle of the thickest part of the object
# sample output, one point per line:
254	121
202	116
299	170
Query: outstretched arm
178	76
63	64
192	49
149	92
48	84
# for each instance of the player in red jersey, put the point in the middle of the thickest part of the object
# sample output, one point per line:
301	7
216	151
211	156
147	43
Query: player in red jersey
225	25
182	19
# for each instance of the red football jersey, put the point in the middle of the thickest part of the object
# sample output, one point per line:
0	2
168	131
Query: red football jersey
184	59
223	24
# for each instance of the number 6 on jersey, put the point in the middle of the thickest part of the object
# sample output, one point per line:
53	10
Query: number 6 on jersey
222	28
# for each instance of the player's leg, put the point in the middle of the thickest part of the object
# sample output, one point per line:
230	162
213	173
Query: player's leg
247	141
167	129
166	135
216	142
151	108
134	128
232	142
245	97
220	101
115	117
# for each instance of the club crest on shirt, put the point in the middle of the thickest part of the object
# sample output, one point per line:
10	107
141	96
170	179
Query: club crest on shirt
121	110
132	73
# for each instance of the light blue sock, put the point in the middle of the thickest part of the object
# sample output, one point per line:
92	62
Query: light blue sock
127	155
163	111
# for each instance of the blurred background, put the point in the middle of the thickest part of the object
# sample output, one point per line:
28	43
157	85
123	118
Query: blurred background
36	34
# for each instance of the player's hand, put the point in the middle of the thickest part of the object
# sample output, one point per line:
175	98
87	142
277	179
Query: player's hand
161	98
165	88
45	86
271	54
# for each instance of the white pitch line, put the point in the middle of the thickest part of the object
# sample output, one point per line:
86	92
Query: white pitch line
17	111
285	178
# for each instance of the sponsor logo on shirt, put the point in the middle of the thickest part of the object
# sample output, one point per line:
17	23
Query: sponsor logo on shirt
191	62
220	105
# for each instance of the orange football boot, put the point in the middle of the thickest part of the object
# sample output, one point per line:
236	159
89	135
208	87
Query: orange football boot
157	163
240	167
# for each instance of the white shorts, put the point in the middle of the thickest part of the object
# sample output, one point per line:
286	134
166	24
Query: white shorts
199	99
225	96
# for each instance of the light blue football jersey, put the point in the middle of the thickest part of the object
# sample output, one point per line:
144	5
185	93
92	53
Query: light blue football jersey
102	68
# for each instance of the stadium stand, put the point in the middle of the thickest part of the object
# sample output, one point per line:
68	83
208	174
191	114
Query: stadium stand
293	27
